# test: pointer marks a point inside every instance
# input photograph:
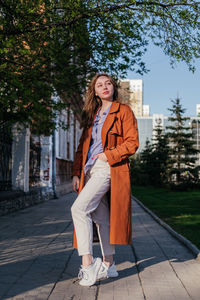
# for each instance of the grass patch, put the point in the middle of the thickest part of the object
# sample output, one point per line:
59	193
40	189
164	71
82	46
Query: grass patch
181	210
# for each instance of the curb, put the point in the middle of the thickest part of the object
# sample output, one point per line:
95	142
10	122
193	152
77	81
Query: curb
178	236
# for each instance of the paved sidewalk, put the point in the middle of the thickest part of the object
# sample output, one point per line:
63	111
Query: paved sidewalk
37	260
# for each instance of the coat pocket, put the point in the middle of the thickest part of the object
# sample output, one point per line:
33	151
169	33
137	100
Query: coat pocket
113	136
123	166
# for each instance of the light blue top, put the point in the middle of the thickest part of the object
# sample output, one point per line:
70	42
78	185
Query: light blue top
95	142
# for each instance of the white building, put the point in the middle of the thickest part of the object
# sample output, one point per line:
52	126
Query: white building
198	110
131	91
145	110
35	168
66	142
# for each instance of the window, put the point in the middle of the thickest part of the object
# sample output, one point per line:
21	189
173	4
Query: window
62	137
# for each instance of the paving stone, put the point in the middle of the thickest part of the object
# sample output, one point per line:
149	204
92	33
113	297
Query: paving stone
37	260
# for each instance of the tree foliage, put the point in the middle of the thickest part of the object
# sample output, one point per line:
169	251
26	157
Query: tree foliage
183	154
39	61
142	166
52	47
170	158
150	166
160	156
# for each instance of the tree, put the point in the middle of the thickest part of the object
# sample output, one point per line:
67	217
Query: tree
38	65
53	47
151	164
181	165
146	166
160	156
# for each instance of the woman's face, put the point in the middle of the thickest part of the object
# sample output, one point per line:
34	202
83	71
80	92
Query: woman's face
104	88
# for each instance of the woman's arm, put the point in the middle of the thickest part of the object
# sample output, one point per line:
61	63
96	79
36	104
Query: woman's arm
130	136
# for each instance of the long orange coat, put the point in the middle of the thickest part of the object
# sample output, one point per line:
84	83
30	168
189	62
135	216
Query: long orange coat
119	140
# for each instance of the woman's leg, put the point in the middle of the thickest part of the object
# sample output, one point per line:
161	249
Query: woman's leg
101	216
87	260
87	202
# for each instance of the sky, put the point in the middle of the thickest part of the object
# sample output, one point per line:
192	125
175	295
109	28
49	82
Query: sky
163	83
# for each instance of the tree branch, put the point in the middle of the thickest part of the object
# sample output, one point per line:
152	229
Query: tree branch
100	10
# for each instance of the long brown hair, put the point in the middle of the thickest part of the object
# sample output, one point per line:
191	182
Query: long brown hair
92	102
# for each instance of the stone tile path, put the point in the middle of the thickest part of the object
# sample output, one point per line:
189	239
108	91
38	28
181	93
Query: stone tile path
37	260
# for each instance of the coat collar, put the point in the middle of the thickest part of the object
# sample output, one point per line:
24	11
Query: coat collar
114	107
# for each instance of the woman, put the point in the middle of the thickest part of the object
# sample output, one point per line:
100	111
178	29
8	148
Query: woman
101	167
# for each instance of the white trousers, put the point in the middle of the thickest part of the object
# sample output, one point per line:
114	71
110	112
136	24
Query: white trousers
91	205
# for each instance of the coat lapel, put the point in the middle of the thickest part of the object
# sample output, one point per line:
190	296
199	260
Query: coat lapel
106	126
87	140
109	121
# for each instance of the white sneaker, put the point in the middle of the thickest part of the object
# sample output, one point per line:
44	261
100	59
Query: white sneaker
88	275
106	272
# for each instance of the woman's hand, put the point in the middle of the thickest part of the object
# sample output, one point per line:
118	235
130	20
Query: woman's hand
101	156
76	183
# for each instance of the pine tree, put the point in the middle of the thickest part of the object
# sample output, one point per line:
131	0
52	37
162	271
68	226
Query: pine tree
181	165
160	156
147	164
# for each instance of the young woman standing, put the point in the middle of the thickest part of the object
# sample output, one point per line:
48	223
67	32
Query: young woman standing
101	166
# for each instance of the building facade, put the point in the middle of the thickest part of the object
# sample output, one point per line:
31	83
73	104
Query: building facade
66	142
131	93
36	168
146	111
198	110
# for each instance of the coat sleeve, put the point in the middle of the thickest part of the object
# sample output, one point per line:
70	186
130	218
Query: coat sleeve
130	138
77	165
